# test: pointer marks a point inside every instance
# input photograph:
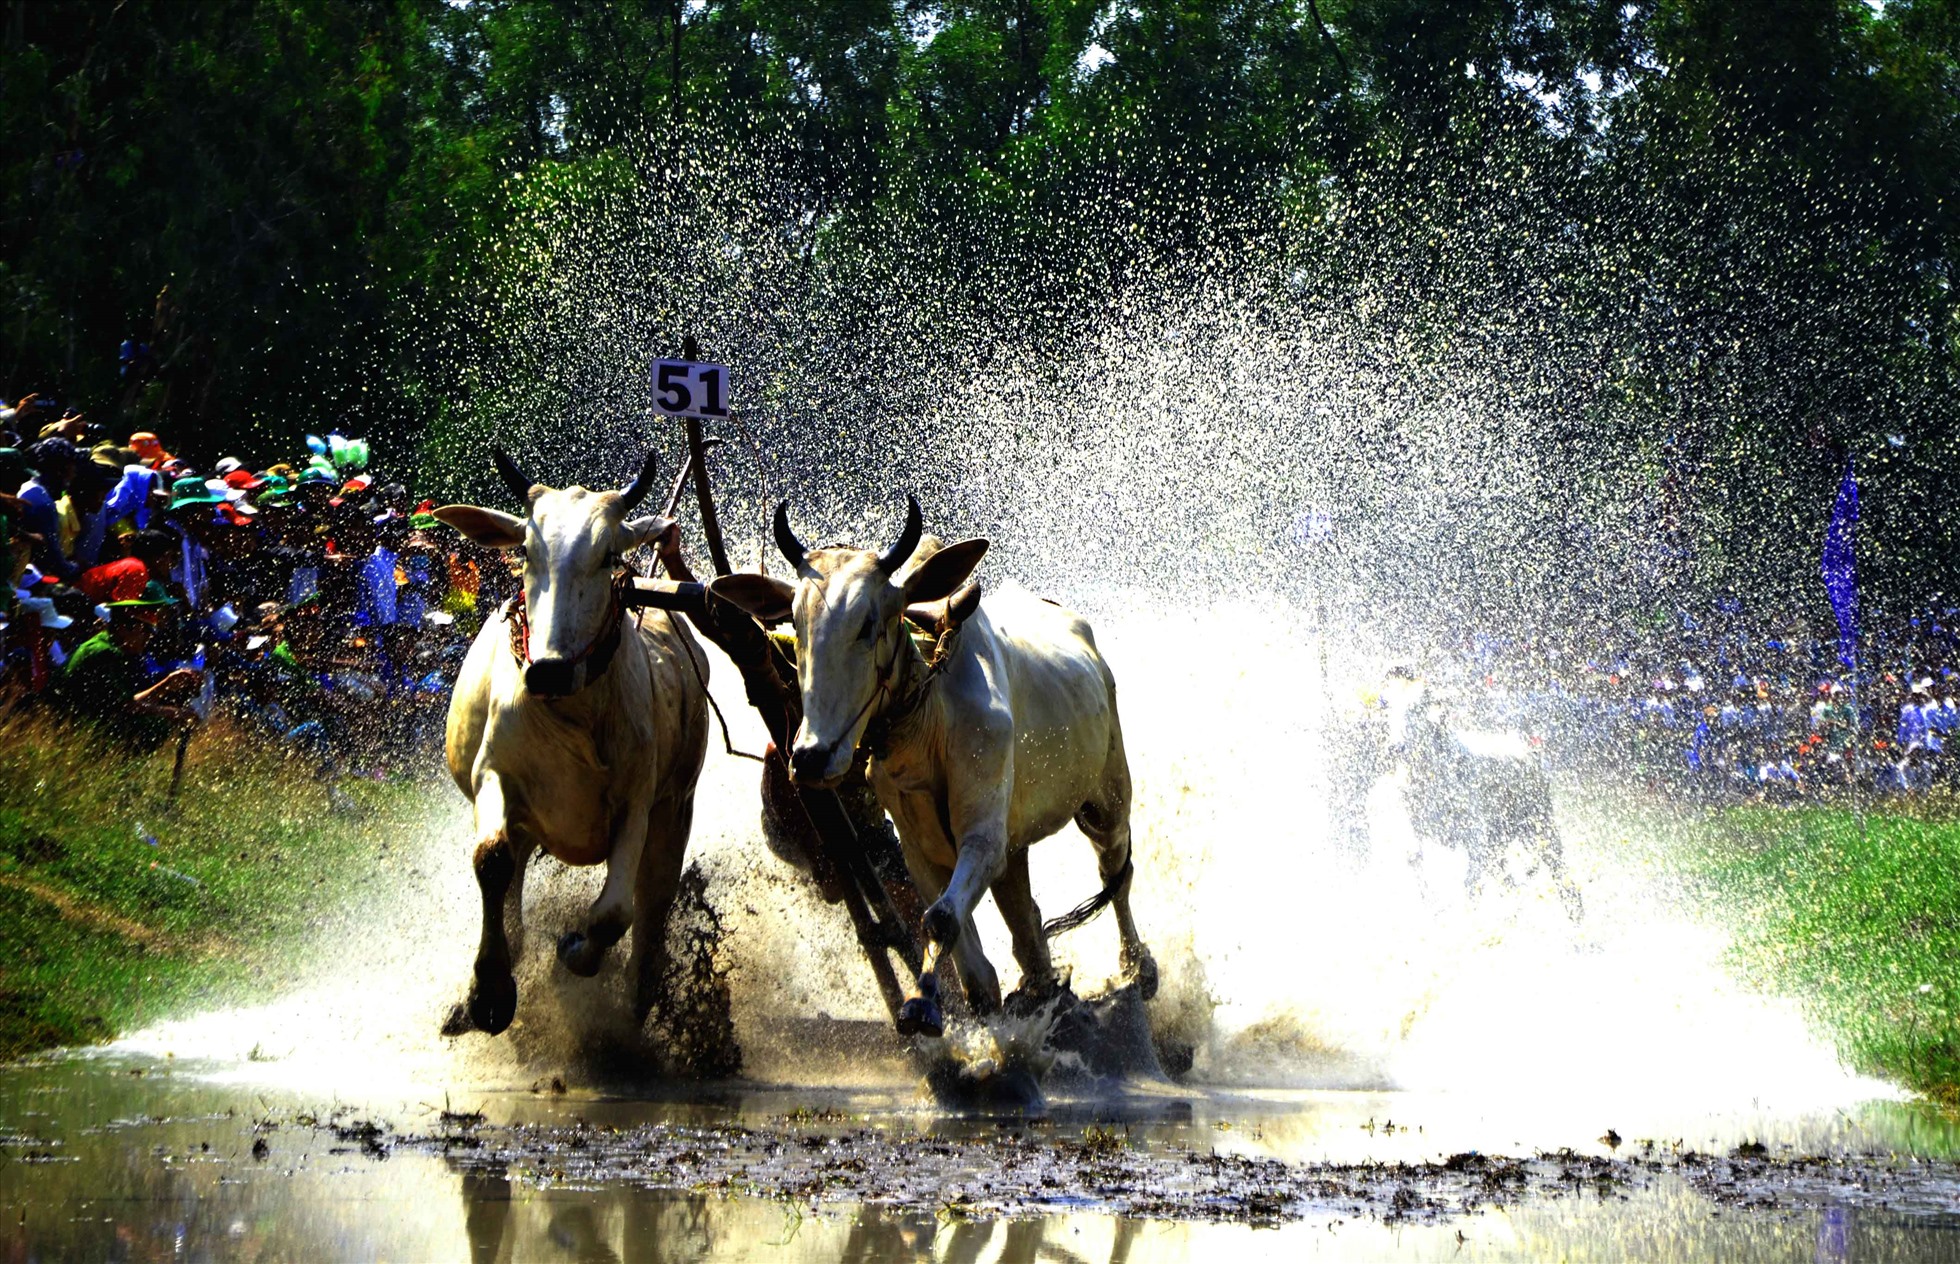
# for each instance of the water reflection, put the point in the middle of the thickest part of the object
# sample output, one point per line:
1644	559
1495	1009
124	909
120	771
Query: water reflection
103	1163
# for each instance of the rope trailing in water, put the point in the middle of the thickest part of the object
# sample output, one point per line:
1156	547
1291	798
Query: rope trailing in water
1085	912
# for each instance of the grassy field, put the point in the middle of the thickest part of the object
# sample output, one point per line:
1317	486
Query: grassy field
119	907
1864	925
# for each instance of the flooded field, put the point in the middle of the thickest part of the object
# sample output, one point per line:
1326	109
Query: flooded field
119	1156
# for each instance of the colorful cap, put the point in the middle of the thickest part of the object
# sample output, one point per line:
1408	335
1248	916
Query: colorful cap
192	491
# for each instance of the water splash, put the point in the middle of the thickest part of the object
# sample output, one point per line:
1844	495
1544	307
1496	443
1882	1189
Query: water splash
1261	490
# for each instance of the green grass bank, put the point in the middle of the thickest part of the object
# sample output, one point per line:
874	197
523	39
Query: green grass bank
1862	924
120	907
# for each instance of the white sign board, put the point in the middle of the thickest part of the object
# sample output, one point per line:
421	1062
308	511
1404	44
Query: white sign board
683	388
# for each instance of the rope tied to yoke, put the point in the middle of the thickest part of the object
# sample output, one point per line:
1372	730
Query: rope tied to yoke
878	733
599	650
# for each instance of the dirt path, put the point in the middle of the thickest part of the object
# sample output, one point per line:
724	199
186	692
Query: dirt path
89	915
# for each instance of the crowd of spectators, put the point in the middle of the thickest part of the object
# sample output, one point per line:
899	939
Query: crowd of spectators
1725	705
305	599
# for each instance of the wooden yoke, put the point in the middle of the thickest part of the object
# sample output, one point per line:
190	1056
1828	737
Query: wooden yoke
842	862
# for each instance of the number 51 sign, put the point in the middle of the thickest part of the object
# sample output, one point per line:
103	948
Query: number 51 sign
683	388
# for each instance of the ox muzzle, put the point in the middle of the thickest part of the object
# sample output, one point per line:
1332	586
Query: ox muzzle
811	764
552	677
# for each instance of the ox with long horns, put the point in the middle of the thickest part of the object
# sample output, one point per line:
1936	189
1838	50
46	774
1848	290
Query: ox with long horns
577	728
1009	734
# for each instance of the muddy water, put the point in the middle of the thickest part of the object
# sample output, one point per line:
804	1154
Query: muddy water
115	1156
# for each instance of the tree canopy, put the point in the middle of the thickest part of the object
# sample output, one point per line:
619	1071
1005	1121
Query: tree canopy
1731	223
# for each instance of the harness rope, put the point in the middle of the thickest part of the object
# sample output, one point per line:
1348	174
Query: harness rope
600	652
601	648
878	733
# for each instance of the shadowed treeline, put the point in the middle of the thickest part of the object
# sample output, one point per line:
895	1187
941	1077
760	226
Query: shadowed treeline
1712	243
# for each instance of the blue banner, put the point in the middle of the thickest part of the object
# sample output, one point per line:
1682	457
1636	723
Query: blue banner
1840	566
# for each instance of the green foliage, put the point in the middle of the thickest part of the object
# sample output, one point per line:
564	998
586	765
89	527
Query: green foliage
1735	221
1864	925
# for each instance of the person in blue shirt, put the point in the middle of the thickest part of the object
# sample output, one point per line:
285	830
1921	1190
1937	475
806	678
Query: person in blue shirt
53	462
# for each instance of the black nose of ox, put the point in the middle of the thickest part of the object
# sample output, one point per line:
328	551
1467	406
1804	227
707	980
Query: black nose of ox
549	676
810	764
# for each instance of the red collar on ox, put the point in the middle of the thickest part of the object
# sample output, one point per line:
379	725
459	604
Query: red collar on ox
598	655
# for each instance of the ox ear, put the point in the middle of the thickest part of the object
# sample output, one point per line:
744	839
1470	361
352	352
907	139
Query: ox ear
648	530
766	599
487	527
942	573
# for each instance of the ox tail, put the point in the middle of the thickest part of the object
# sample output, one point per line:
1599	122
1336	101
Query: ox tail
1085	912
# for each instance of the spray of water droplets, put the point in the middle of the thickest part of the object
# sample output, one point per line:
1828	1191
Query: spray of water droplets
1264	479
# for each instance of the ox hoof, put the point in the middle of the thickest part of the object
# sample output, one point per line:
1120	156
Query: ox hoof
921	1017
492	1004
1143	972
581	955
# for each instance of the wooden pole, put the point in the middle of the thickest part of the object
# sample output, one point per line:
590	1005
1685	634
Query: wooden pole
697	448
875	918
177	769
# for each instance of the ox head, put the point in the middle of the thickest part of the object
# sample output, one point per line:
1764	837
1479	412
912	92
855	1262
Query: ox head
572	541
1405	701
848	606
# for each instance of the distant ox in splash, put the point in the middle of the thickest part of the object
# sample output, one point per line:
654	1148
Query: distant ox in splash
577	728
1490	799
1008	737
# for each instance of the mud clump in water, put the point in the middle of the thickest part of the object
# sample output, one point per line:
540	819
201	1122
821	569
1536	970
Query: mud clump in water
1028	1170
693	1022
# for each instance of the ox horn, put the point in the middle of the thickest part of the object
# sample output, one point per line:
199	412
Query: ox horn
636	491
517	480
786	539
908	540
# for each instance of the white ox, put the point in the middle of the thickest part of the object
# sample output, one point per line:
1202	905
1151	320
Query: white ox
1015	735
577	728
1481	792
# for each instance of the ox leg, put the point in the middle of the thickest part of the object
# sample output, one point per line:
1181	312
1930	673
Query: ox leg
1014	896
1108	828
499	865
583	952
920	1015
949	919
1553	853
654	889
521	848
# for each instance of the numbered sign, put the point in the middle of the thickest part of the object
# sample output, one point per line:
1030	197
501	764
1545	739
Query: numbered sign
683	388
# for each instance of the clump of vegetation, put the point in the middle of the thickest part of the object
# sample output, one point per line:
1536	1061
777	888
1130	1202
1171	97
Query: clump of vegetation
1863	924
119	906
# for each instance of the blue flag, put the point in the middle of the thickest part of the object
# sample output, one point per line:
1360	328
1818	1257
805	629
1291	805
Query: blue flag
1841	566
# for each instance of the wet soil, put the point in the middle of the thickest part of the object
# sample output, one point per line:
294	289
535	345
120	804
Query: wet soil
132	1156
1022	1168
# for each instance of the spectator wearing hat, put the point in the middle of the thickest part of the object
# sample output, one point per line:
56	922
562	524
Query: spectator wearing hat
128	502
121	580
105	682
53	462
15	547
191	501
377	598
149	449
83	521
